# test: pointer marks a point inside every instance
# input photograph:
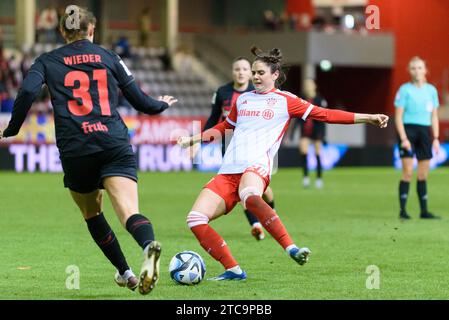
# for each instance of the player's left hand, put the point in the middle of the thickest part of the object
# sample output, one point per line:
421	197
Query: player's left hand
436	145
168	99
185	142
1	134
380	120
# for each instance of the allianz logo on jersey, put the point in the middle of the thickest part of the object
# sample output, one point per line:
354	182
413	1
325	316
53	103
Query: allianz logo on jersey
267	114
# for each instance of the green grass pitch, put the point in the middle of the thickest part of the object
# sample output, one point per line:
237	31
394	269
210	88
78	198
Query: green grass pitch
349	225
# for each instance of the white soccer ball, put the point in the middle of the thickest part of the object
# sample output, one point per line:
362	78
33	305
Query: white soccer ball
187	268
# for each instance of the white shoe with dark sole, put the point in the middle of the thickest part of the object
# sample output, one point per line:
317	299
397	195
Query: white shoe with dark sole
149	274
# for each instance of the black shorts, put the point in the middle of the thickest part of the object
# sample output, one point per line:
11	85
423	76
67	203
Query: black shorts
85	174
317	133
421	141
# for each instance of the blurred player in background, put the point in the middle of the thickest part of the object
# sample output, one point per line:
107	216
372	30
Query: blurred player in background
222	102
93	140
259	120
312	131
416	115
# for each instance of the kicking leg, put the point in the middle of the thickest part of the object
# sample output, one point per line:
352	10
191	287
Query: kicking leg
209	206
90	205
124	198
250	191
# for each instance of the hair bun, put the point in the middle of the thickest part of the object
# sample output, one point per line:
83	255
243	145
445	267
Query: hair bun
275	52
255	50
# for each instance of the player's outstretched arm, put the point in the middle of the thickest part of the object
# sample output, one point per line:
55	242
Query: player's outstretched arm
341	117
380	120
146	104
212	134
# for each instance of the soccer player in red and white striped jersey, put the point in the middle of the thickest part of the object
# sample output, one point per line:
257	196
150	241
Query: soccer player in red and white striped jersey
259	120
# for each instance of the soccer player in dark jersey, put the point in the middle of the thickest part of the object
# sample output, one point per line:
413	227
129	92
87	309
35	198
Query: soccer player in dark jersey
312	131
92	139
222	101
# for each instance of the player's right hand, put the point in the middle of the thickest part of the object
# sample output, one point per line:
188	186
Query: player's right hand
168	99
405	144
1	134
380	120
185	142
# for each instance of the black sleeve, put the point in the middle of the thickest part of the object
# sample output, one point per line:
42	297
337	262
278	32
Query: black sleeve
216	113
121	72
140	101
31	87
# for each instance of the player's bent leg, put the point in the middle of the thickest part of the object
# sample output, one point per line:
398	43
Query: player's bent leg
207	207
256	227
124	198
250	191
90	205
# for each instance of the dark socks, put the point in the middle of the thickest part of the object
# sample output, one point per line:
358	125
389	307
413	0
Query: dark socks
318	167
141	229
404	186
421	188
305	168
251	218
105	238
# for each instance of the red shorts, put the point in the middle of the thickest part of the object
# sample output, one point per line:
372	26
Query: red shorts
227	187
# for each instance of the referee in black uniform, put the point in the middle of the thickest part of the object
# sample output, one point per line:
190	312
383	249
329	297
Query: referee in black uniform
416	121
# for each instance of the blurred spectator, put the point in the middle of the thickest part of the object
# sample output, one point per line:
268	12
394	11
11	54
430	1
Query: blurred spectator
304	22
337	16
144	27
182	60
270	21
4	71
59	37
3	93
293	22
319	21
166	60
122	47
47	25
15	71
284	22
25	64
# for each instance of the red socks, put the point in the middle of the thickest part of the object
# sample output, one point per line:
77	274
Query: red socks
214	244
269	219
